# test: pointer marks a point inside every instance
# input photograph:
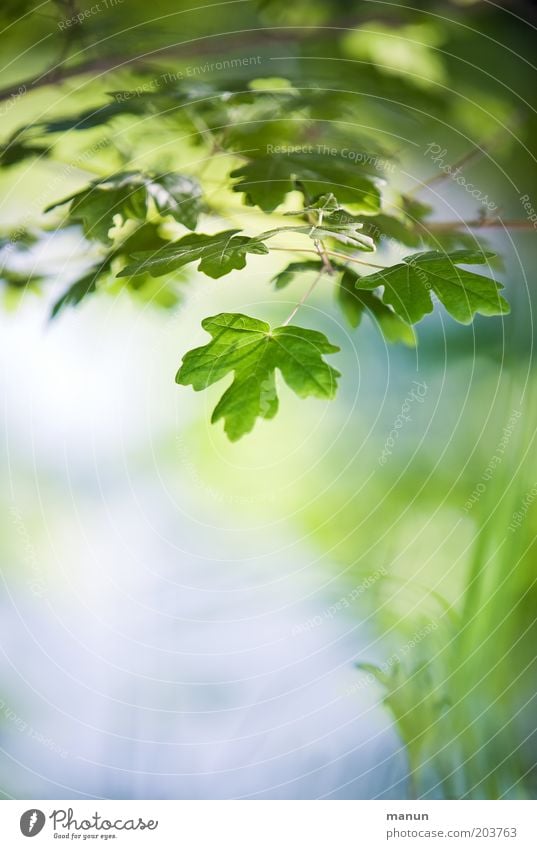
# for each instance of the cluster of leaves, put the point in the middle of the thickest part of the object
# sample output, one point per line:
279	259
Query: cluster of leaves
127	197
343	214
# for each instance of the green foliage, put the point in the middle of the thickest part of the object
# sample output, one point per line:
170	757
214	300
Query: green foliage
461	698
408	286
336	104
267	180
129	195
354	302
260	126
252	351
218	254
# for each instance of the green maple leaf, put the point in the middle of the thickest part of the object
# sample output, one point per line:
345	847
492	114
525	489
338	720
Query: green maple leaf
355	302
408	286
96	205
252	351
128	194
266	180
219	254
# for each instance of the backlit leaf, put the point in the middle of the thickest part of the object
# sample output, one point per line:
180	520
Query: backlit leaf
408	286
218	254
267	180
248	348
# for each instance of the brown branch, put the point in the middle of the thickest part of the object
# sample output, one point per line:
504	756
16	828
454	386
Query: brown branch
60	72
264	36
478	224
476	152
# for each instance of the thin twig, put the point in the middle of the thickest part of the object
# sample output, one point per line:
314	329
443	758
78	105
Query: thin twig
200	49
330	253
323	254
304	298
355	259
477	151
320	246
480	224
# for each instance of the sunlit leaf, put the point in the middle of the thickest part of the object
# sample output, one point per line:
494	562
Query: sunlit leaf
218	254
408	286
252	351
267	180
128	194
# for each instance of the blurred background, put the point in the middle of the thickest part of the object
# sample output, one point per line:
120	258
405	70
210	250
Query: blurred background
336	606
